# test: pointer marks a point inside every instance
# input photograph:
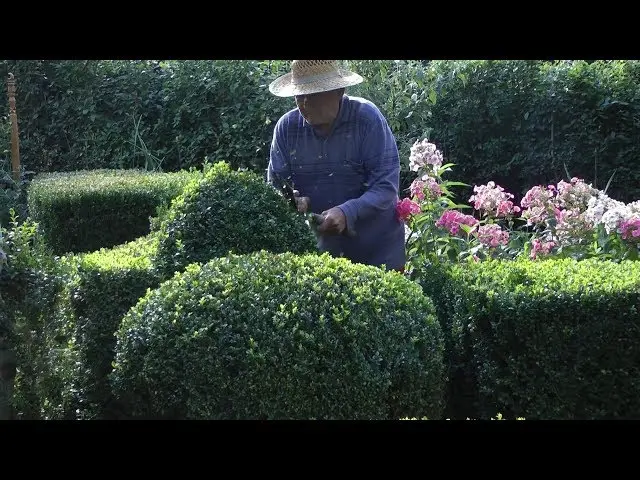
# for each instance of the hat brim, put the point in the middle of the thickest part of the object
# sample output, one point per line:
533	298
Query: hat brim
282	86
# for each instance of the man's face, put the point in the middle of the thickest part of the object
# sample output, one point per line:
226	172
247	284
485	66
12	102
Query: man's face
318	108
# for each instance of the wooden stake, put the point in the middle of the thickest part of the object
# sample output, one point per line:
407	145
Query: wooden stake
15	140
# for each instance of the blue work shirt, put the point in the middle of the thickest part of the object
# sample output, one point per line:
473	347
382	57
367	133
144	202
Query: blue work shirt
357	168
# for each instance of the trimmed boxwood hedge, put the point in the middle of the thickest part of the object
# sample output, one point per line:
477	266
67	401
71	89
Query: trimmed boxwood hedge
281	336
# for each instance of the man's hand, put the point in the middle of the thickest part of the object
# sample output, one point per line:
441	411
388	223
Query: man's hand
302	203
334	222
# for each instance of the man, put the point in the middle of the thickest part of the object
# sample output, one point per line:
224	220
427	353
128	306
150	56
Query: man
340	155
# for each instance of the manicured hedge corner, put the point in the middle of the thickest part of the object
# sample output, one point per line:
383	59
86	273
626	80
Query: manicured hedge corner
553	339
106	285
87	210
281	336
227	211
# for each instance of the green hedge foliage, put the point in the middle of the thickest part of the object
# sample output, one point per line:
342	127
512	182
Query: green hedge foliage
98	288
30	281
551	339
227	211
281	336
518	122
84	115
523	123
106	284
87	210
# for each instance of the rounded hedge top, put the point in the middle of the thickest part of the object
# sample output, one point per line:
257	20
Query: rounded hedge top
228	211
281	336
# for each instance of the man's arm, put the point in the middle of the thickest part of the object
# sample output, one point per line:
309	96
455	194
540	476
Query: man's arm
382	161
278	153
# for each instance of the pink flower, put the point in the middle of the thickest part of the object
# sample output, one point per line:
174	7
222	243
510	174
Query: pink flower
452	219
506	207
493	200
405	208
538	204
574	195
631	229
432	184
425	185
572	227
543	248
417	189
492	235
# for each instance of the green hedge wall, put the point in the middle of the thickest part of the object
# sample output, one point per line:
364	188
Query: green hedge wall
523	123
553	339
87	210
518	122
83	115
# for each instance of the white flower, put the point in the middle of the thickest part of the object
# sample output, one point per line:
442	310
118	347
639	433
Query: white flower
424	153
613	217
598	204
634	207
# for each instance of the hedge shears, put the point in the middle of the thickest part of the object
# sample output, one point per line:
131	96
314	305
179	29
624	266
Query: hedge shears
288	191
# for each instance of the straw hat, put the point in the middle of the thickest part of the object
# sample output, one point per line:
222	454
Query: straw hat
313	76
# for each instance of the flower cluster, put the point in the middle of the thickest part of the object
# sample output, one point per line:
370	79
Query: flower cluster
425	187
630	229
492	235
540	247
538	205
575	194
493	200
424	153
452	219
567	219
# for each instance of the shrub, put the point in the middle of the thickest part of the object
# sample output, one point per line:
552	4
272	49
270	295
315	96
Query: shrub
136	114
104	286
553	339
30	280
88	210
528	122
227	211
281	336
101	286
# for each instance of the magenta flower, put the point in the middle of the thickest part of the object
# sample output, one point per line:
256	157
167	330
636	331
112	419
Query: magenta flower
631	229
540	247
452	219
405	208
